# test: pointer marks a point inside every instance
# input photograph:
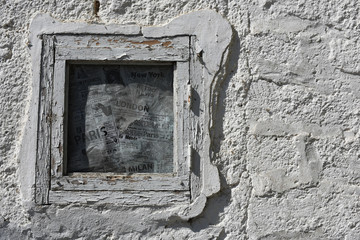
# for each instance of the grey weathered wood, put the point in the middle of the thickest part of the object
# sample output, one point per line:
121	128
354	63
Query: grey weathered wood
114	54
58	119
196	127
129	198
148	182
121	41
87	181
43	158
181	106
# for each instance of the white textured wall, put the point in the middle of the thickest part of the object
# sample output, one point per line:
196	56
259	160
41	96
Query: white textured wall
287	135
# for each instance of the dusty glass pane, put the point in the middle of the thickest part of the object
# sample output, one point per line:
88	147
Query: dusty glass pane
120	118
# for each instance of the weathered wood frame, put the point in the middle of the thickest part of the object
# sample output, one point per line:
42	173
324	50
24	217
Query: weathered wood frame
52	182
209	36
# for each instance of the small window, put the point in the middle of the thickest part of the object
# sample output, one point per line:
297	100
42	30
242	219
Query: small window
120	118
117	116
123	114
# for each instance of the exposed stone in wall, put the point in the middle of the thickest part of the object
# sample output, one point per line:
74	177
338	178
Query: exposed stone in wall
286	137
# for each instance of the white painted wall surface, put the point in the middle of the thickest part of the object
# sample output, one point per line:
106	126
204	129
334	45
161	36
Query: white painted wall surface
286	136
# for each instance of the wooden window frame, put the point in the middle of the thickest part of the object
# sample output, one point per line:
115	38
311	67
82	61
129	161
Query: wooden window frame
53	185
210	37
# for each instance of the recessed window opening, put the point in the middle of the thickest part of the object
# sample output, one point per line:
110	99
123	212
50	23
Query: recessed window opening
120	118
123	113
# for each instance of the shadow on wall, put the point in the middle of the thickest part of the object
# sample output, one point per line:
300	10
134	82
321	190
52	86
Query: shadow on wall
219	106
216	204
206	222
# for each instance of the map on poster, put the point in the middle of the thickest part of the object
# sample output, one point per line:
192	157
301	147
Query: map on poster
120	118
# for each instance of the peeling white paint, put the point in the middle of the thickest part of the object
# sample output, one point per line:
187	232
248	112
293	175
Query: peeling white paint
284	133
213	56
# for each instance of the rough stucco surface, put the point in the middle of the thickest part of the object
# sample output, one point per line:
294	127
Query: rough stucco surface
286	132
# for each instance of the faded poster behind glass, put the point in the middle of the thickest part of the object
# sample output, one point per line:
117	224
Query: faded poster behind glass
120	118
